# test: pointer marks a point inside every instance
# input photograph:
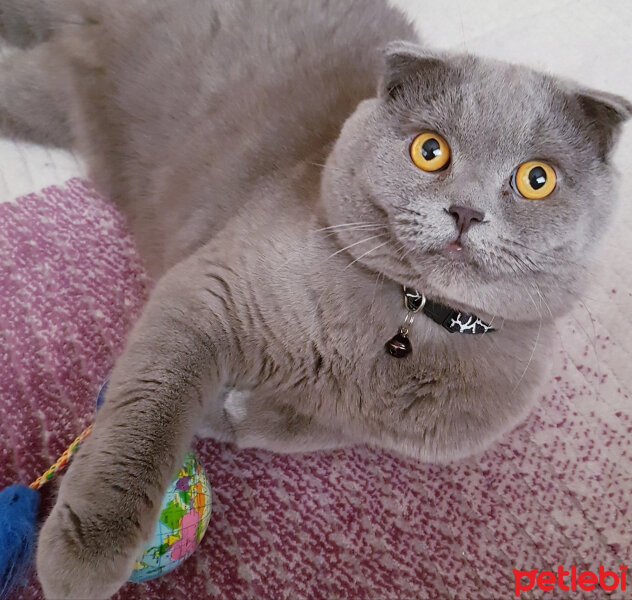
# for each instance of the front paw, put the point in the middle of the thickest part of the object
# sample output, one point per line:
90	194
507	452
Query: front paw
81	555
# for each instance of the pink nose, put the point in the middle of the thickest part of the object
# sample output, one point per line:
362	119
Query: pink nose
465	216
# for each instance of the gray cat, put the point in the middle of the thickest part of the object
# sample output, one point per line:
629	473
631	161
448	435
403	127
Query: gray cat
287	167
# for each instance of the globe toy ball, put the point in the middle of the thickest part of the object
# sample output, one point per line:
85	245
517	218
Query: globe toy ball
184	517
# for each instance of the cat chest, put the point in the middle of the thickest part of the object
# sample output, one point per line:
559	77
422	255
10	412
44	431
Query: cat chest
327	380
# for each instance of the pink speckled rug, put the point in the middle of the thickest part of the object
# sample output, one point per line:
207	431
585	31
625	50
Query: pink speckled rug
353	524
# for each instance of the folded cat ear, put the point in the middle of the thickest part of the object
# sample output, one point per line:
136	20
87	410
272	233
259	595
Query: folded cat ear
406	61
605	114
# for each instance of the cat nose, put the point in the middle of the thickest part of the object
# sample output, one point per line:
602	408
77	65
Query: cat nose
465	216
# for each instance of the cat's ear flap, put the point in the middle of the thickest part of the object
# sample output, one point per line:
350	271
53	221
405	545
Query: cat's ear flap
405	61
605	114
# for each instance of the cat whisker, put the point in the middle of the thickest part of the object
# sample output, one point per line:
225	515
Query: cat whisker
377	281
400	248
405	255
542	300
329	167
352	229
399	257
493	344
365	254
354	244
535	344
407	222
345	225
551	257
408	210
594	336
584	294
59	21
525	267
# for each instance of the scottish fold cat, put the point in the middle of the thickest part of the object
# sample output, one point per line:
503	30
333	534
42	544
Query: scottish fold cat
355	239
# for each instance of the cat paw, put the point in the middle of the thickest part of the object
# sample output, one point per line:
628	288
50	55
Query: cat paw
77	559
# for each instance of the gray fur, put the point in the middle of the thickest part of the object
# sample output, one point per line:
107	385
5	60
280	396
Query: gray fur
209	123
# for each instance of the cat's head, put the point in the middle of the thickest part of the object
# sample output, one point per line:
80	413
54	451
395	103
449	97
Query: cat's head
477	182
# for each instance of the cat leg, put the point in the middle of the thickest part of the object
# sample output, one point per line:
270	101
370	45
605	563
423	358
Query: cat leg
277	428
110	498
32	97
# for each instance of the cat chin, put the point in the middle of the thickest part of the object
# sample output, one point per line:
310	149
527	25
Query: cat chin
467	285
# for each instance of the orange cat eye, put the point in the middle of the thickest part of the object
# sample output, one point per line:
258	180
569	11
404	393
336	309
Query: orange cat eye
430	152
535	180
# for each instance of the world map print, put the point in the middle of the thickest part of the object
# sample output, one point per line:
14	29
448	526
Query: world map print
184	517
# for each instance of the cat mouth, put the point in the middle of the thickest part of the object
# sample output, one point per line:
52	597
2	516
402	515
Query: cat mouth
454	250
457	255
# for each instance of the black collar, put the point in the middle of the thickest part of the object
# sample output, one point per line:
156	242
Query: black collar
454	321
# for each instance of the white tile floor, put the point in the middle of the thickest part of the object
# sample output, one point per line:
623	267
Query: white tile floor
583	39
